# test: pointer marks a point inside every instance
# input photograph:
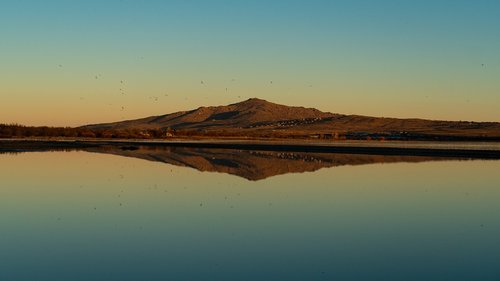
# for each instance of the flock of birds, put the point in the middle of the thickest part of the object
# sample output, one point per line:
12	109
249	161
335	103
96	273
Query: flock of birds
202	82
151	98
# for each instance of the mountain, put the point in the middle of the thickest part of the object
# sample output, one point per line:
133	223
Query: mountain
239	115
257	117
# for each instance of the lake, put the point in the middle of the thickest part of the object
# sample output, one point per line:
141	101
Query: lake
215	214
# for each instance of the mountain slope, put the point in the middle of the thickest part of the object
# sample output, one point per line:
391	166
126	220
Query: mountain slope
258	117
239	115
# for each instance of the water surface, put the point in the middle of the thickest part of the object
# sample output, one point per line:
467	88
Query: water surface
159	214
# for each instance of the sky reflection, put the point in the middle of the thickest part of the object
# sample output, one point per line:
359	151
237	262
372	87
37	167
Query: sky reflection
88	216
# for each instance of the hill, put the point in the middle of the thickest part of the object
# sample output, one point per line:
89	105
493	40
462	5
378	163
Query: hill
246	114
256	117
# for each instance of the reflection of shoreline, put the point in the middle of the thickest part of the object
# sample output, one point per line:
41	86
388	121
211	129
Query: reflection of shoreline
249	164
14	146
438	149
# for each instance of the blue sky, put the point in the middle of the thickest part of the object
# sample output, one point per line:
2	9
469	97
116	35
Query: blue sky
427	59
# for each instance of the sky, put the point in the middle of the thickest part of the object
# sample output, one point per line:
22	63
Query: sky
70	63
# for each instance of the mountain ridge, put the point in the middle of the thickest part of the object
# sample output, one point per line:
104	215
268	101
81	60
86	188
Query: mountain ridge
247	112
257	116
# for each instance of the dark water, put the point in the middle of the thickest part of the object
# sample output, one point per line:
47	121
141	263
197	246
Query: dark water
160	214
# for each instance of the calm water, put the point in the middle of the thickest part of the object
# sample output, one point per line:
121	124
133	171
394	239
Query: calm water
233	215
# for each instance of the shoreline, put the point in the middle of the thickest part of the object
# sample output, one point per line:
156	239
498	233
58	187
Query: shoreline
476	150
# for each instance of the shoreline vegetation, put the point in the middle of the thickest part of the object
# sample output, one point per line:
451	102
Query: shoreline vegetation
10	131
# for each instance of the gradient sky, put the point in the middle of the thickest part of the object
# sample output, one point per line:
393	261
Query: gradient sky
428	59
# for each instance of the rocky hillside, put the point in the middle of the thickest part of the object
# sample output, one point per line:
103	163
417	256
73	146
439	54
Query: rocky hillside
260	117
244	115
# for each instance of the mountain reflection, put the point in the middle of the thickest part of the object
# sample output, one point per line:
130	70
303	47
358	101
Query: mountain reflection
252	165
248	164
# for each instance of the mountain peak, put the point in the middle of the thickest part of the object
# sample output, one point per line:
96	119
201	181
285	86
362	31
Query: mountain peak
252	101
256	100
